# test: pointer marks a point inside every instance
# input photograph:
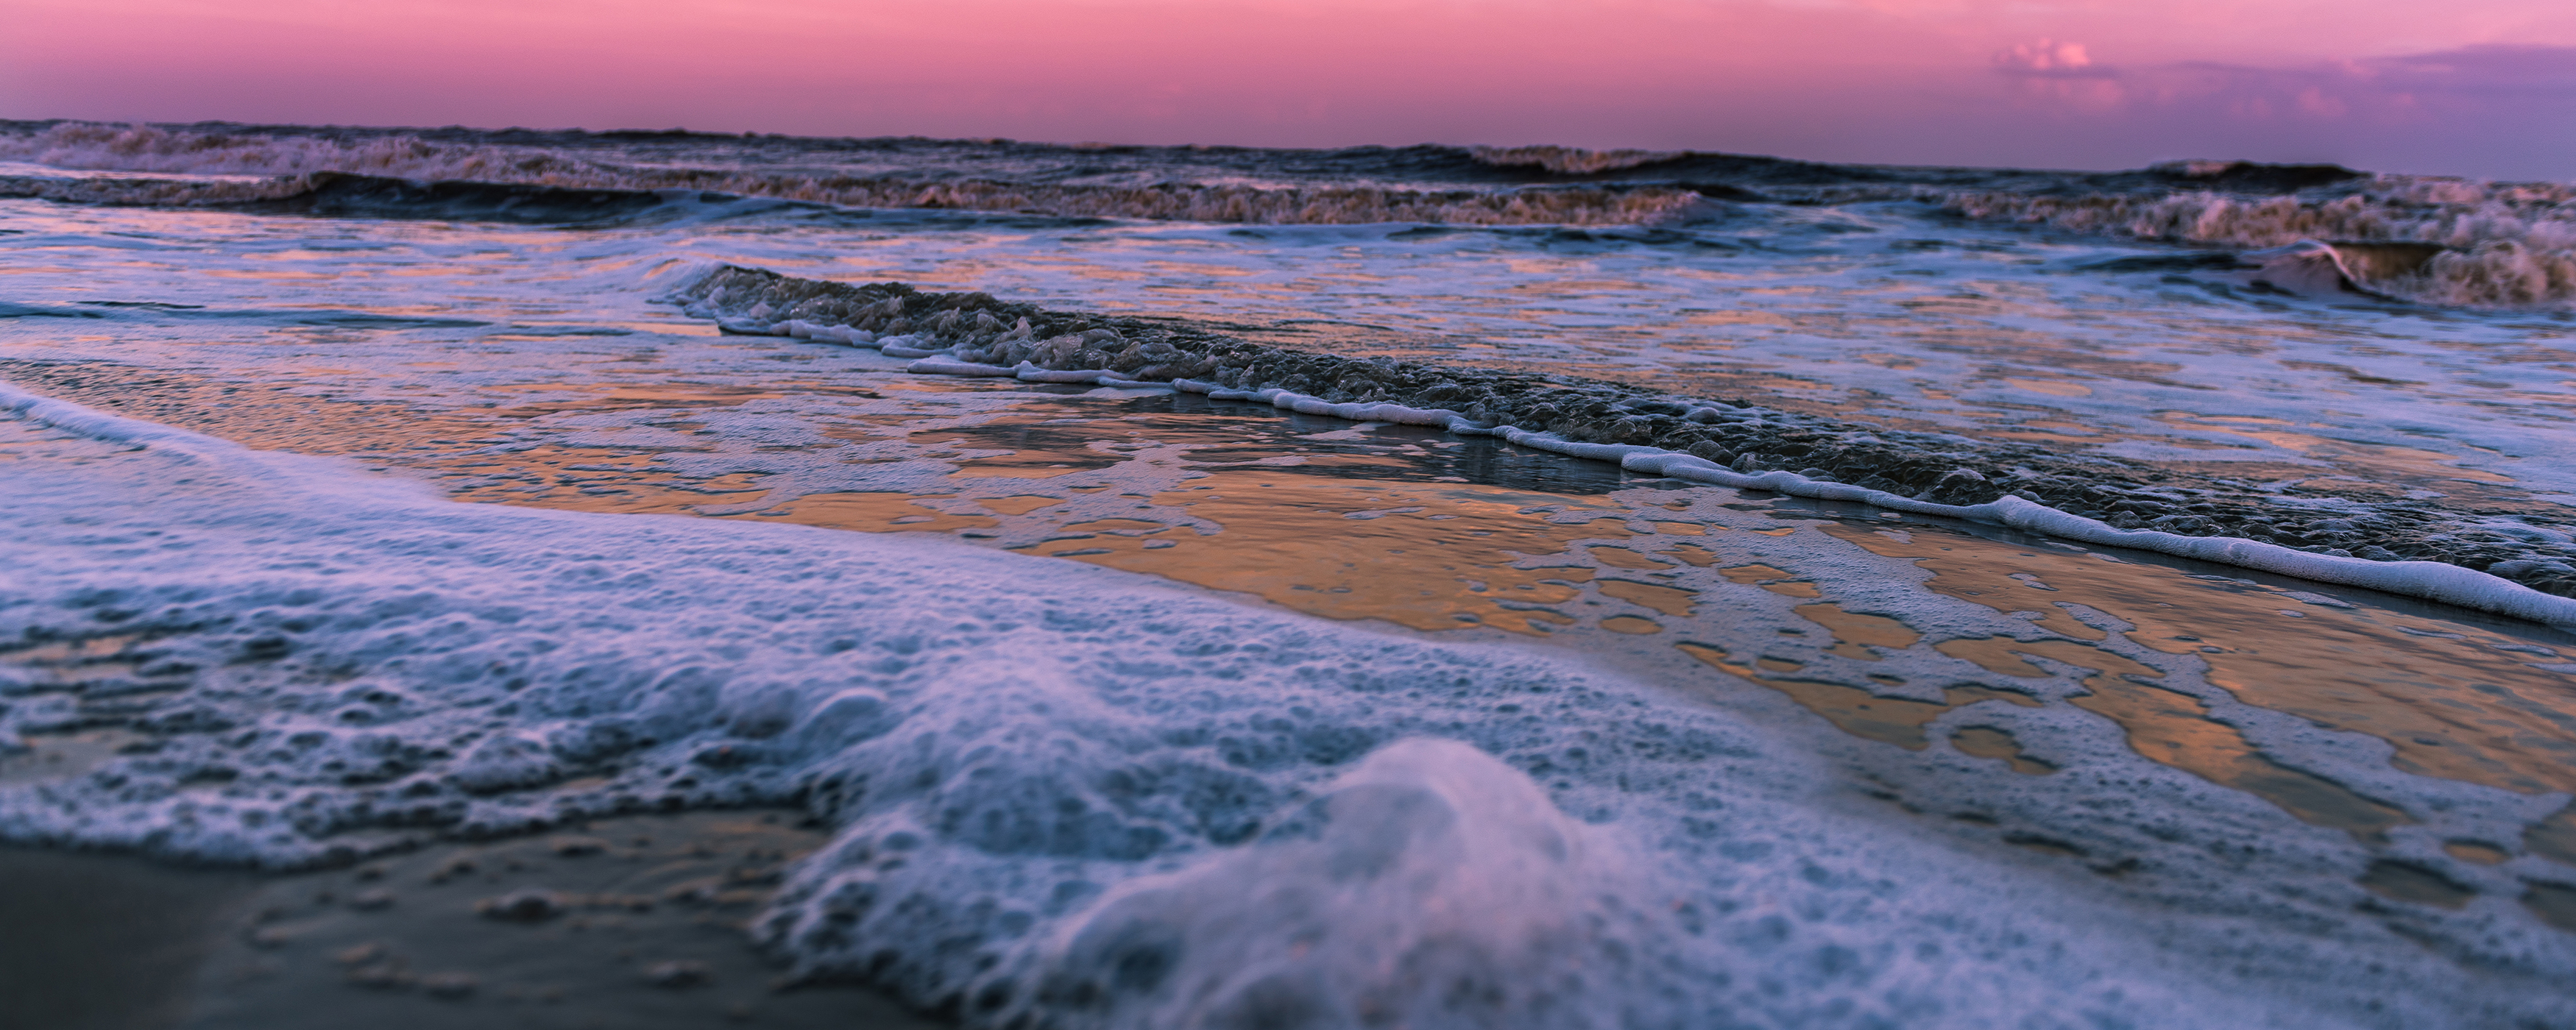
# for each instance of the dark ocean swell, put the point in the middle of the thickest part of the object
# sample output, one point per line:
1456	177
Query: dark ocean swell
371	196
2494	244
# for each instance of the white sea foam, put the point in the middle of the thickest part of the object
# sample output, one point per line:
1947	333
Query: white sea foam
1090	800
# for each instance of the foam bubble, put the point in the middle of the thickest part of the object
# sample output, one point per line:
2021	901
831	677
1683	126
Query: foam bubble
1430	863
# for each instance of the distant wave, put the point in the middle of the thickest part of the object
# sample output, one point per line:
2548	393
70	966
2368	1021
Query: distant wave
2502	244
361	196
305	164
1573	160
135	191
383	196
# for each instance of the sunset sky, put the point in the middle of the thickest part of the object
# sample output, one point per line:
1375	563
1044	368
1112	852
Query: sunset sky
2474	87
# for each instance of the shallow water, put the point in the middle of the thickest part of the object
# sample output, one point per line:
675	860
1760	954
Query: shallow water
2289	776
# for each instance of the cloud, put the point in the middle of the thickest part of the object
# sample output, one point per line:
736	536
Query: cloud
2050	59
2404	88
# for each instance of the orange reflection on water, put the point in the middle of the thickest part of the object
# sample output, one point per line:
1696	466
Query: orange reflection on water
1429	556
1673	601
2174	728
875	512
1892	720
1989	742
1856	634
2455	700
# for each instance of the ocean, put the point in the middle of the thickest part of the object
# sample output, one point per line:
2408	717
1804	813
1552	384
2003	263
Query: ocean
1427	586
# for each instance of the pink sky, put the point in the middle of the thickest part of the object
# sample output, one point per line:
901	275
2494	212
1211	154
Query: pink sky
2475	87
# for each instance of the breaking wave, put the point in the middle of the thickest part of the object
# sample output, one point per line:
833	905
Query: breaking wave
2502	244
2090	497
1573	160
361	196
151	148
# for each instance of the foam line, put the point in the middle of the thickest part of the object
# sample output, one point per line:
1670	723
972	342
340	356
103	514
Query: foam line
200	449
101	426
2436	581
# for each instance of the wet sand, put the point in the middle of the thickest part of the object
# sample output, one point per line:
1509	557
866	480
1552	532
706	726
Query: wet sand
105	942
637	922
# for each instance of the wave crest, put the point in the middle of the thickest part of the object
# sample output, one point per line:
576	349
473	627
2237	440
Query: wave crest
1572	160
152	148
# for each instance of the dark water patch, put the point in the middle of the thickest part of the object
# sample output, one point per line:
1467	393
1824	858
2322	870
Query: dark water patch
2554	903
2554	838
2249	176
10	310
338	195
2199	261
2406	881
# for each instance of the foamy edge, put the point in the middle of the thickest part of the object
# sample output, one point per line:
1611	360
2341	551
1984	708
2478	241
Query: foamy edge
2428	580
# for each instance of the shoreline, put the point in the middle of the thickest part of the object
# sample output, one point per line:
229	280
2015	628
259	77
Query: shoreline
942	341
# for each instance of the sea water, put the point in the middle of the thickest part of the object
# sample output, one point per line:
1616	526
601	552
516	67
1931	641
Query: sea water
1428	587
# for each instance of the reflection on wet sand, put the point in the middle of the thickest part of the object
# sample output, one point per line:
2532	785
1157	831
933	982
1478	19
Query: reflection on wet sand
1856	711
1021	445
2175	728
2457	701
1425	556
602	479
476	453
1857	635
877	512
1989	742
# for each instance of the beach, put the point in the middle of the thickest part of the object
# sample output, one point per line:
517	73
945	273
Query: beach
778	581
